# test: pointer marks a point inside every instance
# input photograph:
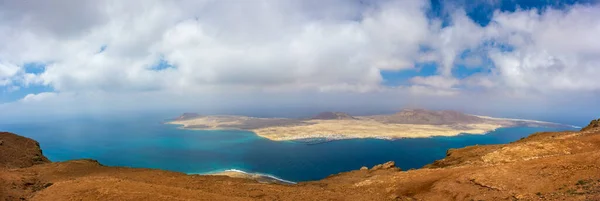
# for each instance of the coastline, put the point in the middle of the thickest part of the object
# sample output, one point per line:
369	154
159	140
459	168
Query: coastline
333	137
552	165
236	173
329	126
350	129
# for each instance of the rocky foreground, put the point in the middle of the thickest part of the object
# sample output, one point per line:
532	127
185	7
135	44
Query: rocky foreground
543	166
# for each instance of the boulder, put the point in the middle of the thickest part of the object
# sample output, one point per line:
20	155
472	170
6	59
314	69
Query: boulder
386	166
449	151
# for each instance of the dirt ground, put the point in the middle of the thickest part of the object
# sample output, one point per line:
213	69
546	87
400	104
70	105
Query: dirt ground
544	166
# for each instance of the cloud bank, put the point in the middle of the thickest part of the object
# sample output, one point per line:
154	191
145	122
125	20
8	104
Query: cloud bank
195	55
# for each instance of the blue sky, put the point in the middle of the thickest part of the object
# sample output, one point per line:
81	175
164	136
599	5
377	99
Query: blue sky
20	90
480	13
514	58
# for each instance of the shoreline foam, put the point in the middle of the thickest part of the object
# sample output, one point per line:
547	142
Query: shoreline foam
248	175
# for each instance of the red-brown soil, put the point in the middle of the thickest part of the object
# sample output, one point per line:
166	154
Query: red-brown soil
544	166
17	151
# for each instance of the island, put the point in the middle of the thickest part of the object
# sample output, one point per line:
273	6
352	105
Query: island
407	123
543	166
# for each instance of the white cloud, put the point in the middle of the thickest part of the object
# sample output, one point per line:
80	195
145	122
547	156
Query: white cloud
555	50
449	42
226	48
7	72
548	52
432	92
260	45
38	97
439	82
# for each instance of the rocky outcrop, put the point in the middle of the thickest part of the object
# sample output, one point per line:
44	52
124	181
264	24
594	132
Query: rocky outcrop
18	152
386	166
593	124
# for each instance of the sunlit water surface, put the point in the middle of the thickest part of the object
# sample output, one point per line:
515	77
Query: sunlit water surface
151	144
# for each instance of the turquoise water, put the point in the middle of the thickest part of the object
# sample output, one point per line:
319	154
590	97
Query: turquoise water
151	144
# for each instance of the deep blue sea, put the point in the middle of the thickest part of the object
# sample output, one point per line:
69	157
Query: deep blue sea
151	144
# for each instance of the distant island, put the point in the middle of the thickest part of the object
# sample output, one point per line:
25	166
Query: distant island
408	123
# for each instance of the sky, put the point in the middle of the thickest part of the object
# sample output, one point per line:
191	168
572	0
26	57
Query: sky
535	59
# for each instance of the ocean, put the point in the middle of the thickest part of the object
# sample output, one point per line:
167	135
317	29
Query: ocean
148	143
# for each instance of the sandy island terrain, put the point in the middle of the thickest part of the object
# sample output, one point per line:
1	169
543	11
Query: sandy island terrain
413	123
349	129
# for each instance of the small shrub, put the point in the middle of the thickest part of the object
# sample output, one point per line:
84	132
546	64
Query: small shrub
582	182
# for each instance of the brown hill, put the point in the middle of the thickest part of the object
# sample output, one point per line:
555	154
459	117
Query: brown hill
186	116
594	124
18	152
430	117
544	166
332	116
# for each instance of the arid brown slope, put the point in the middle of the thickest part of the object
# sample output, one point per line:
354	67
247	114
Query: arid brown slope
592	125
544	166
429	117
17	151
186	116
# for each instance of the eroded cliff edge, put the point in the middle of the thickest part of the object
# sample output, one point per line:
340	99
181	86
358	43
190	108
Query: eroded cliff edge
19	152
543	166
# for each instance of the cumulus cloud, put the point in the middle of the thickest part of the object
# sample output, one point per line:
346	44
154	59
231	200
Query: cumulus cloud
7	72
38	97
554	50
435	81
449	42
546	51
216	43
110	50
